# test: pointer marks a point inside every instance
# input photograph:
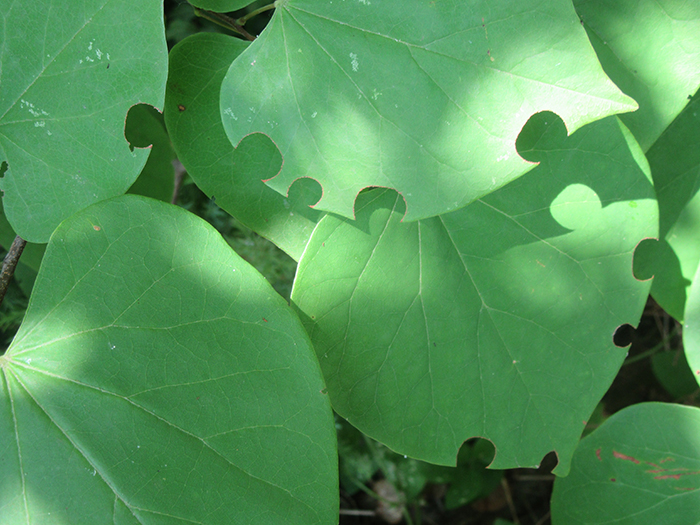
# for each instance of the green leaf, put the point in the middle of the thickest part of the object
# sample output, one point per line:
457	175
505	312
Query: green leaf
640	467
426	99
32	254
145	127
691	327
69	76
157	378
493	321
197	67
671	370
675	165
651	50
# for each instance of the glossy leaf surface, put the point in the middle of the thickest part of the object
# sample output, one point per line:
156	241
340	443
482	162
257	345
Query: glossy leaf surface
493	321
428	100
157	378
640	467
651	50
68	79
234	177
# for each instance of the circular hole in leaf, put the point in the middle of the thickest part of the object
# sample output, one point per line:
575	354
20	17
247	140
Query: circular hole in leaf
623	335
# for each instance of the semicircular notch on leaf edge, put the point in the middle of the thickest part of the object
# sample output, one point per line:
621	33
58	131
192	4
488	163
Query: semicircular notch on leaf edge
66	91
234	177
494	321
430	107
156	373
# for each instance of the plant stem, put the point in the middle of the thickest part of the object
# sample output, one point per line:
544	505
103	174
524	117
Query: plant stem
651	351
242	20
9	264
224	21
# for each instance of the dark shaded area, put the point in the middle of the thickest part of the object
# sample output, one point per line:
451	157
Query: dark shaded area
181	20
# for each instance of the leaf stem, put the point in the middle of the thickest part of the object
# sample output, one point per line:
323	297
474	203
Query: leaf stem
651	351
224	21
242	20
9	264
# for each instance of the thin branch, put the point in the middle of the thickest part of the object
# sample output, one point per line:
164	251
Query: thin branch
178	177
224	21
355	512
509	501
242	20
9	264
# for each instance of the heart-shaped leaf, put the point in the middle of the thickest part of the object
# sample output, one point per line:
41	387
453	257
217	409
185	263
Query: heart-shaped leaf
198	64
427	99
640	467
69	75
158	378
493	321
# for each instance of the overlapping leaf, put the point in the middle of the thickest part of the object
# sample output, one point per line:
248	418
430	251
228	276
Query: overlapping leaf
197	67
493	321
157	378
144	128
651	50
640	467
691	328
675	165
69	74
426	99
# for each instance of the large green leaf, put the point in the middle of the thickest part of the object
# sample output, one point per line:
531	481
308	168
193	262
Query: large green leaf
157	378
651	50
640	467
69	74
675	165
493	321
426	98
198	64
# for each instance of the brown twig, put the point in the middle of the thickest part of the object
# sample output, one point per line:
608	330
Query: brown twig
9	264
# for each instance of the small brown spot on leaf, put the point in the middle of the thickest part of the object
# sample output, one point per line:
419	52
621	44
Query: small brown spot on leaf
96	228
597	454
619	455
181	107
